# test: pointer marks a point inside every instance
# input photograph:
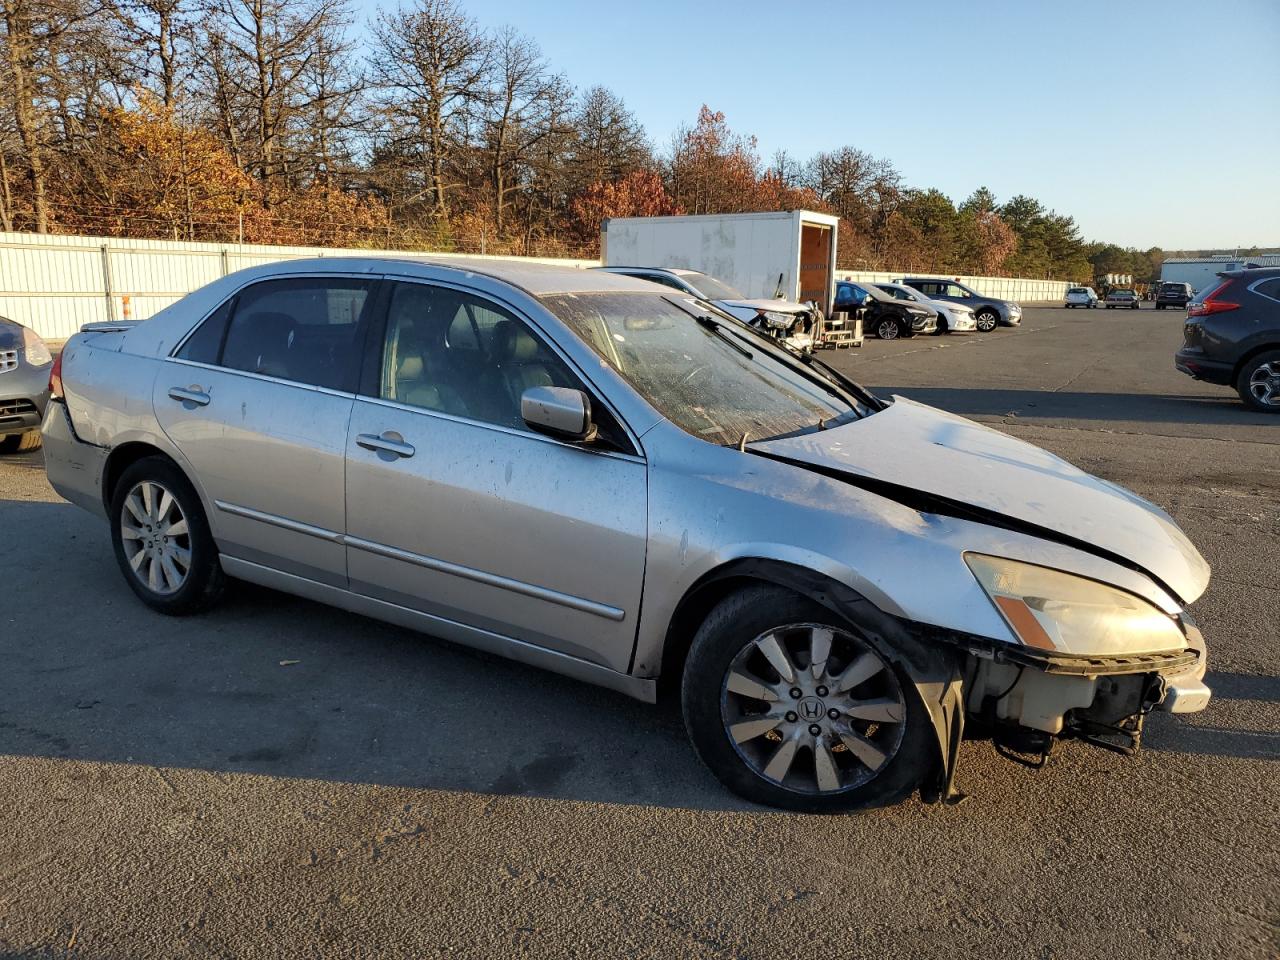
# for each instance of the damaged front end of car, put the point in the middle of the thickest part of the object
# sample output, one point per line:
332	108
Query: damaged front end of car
1083	659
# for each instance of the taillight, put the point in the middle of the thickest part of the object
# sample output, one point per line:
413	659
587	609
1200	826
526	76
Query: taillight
1211	303
55	378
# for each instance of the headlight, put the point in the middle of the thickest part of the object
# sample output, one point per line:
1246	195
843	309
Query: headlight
1061	613
36	352
780	321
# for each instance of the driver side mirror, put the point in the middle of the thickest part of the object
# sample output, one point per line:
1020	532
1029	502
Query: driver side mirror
560	412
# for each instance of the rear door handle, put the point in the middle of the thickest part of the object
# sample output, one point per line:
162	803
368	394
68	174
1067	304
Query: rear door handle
192	395
389	443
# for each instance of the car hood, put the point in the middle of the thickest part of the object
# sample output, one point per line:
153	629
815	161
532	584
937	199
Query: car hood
10	335
912	448
779	306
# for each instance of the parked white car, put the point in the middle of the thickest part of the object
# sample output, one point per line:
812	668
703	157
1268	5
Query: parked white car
952	317
1081	297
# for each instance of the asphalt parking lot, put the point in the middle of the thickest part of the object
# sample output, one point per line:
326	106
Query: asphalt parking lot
279	779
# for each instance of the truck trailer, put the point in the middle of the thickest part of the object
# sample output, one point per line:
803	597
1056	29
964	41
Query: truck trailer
789	255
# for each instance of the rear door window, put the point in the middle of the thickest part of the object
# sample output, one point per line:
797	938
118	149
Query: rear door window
303	329
957	291
1269	288
205	344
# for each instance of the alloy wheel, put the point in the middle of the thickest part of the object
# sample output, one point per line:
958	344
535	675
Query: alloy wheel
813	708
155	538
887	330
986	321
1264	384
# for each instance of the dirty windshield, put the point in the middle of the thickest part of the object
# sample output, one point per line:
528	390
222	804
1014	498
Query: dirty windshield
714	378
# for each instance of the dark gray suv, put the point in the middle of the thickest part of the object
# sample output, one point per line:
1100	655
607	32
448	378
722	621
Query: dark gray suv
987	311
1232	336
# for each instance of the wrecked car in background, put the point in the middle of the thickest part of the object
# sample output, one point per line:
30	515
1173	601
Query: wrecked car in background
780	319
587	473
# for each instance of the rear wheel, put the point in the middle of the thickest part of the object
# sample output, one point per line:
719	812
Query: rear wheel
791	707
1259	382
987	320
20	442
162	540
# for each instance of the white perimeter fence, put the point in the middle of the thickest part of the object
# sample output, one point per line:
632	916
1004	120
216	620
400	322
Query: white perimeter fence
55	284
1006	288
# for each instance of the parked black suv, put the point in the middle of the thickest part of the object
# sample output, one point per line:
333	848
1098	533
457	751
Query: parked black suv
1173	294
1232	336
886	317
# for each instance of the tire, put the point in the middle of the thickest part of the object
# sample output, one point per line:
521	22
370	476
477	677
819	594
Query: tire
1259	382
144	515
941	328
1159	306
987	320
888	330
878	764
1134	307
21	442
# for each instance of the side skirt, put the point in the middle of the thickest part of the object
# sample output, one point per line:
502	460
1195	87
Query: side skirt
486	640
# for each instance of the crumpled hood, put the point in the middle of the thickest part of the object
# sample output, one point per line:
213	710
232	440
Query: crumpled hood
912	445
780	306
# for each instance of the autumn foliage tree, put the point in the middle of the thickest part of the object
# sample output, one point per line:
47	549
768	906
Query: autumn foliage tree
275	121
639	194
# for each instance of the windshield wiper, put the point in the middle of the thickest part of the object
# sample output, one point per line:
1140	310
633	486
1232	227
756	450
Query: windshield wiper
852	386
708	322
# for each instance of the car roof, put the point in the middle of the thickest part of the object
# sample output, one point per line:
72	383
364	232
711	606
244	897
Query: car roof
538	279
675	271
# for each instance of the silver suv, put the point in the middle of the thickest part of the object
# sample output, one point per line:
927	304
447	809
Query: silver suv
987	311
592	474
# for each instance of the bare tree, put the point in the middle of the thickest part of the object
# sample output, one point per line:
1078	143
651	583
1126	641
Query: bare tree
159	37
35	39
608	142
428	67
523	98
335	111
260	53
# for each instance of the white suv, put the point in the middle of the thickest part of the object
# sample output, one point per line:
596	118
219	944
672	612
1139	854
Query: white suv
1081	297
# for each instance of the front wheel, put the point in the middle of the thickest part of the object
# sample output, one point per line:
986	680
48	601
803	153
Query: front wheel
888	330
987	320
791	707
162	539
1259	382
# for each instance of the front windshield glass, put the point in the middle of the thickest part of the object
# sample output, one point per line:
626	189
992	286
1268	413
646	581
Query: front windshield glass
901	293
717	384
709	287
876	292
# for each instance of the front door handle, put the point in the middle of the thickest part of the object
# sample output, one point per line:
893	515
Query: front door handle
192	395
389	443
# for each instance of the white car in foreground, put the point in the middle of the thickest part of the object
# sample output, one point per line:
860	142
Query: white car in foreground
952	317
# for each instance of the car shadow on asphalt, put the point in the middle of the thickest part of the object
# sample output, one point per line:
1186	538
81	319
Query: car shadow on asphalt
272	684
1225	410
275	685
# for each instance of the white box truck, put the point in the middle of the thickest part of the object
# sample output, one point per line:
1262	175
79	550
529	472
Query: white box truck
790	255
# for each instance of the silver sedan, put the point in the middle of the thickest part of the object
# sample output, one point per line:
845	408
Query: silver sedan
592	475
25	362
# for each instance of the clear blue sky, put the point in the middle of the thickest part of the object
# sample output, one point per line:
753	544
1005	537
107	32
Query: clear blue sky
1061	101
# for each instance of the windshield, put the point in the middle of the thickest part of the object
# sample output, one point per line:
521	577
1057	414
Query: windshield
709	287
875	292
901	293
716	380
